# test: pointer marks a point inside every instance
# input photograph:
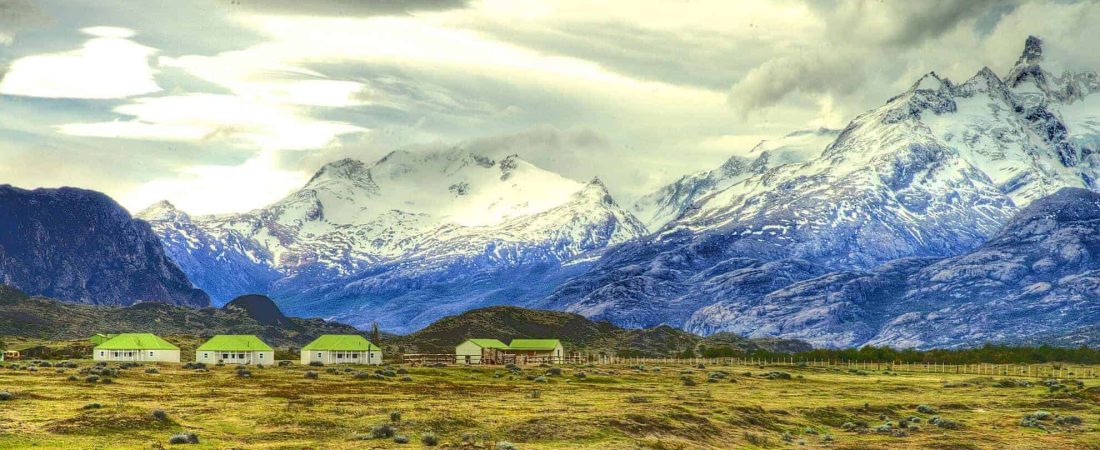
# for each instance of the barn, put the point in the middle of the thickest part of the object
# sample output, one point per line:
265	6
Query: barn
341	349
528	351
479	351
235	349
136	347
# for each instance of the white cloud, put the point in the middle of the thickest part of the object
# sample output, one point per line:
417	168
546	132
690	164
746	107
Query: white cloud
211	189
251	123
107	66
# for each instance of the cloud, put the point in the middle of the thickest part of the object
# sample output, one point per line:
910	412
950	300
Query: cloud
17	15
107	66
900	23
348	8
247	122
833	73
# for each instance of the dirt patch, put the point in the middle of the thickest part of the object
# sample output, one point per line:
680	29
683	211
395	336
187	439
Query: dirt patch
548	429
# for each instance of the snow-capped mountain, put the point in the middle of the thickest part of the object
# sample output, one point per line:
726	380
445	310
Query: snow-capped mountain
1040	275
671	201
935	172
407	216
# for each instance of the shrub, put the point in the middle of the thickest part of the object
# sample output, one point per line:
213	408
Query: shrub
688	381
554	371
316	364
108	381
701	366
311	375
244	373
1068	420
92	378
580	375
184	438
389	373
159	414
93	406
637	399
429	439
756	439
505	445
285	363
72	378
540	379
331	370
535	393
395	416
776	375
401	439
402	371
59	370
947	424
152	370
406	378
925	409
5	396
827	438
383	431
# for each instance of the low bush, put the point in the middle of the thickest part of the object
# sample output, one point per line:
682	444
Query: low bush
395	416
92	406
152	370
92	378
401	439
505	445
946	424
925	409
580	375
554	371
184	438
159	414
316	364
5	396
776	375
383	431
310	375
688	381
429	439
1068	420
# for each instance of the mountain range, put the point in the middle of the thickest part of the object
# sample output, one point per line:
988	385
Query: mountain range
937	219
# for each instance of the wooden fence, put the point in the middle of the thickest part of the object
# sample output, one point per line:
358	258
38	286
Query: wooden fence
1048	370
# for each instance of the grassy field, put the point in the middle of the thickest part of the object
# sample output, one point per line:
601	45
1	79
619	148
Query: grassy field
613	407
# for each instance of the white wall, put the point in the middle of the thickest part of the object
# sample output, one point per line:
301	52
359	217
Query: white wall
325	357
137	355
468	349
266	358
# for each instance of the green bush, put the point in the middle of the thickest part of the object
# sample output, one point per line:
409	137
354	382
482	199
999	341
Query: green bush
429	439
383	431
184	438
401	439
395	416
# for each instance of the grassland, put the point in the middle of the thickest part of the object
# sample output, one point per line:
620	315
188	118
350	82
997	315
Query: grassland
613	407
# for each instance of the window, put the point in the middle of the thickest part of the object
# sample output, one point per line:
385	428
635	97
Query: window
339	356
261	356
240	356
102	353
150	353
318	354
225	356
205	355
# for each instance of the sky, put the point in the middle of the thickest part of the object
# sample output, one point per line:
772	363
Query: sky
224	106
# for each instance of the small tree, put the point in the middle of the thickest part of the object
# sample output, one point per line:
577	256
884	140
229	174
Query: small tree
375	333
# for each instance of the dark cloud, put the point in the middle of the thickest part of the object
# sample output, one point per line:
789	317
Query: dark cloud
902	23
346	7
17	15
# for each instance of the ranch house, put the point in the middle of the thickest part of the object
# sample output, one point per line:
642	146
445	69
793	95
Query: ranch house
341	349
136	347
235	349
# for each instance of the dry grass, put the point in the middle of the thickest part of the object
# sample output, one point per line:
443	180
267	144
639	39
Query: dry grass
279	408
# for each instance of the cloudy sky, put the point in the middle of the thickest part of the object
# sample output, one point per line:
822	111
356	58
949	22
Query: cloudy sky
227	105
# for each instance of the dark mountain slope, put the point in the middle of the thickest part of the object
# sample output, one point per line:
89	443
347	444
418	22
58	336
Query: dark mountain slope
80	246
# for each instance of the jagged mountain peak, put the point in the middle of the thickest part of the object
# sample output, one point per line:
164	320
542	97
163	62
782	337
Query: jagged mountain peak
162	210
1033	51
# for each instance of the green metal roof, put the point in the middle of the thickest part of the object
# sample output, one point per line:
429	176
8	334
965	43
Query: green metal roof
341	342
488	343
533	344
136	341
234	343
100	338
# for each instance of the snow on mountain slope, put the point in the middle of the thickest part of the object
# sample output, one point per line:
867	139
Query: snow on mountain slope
669	202
934	172
356	233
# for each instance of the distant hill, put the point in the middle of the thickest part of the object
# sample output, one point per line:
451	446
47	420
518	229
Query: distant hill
80	246
576	332
43	318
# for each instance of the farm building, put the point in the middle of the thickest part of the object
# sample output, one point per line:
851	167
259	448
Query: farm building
100	338
479	351
341	349
235	349
536	350
141	347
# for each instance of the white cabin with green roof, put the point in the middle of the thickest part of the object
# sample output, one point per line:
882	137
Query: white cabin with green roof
136	347
479	351
341	349
235	349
